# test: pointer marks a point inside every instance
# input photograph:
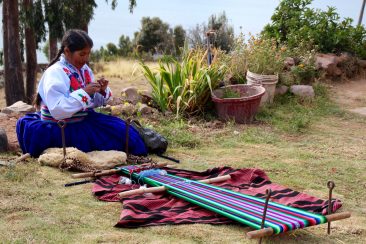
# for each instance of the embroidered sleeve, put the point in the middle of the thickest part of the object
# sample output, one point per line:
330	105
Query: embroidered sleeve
83	97
54	90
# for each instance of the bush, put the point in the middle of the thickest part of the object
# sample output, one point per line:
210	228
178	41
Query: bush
265	57
293	21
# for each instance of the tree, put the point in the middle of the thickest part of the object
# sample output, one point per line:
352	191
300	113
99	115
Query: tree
124	45
34	31
14	86
179	35
112	49
224	33
54	18
77	14
154	35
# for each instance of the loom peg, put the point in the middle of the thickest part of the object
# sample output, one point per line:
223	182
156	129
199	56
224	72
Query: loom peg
338	216
163	188
108	172
260	233
269	231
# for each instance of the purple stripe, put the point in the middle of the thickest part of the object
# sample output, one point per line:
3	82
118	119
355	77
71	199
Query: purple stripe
277	218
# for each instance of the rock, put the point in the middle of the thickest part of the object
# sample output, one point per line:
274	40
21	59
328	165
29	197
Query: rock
18	107
3	115
303	90
289	62
115	101
143	109
146	97
128	109
3	140
131	95
361	111
328	63
362	63
116	110
281	90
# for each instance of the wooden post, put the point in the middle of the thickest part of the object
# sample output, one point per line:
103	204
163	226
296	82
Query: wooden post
361	12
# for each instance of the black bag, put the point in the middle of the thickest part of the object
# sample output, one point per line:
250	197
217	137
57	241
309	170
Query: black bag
154	142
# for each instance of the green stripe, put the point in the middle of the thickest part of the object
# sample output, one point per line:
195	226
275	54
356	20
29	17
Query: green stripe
321	218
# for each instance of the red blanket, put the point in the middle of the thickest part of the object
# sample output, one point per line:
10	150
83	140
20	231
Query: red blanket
159	209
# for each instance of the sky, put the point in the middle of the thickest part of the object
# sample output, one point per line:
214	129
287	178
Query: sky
246	15
251	15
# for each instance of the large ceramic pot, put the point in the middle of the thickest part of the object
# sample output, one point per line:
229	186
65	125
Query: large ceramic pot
242	108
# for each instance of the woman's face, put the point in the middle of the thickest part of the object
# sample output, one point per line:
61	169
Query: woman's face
78	58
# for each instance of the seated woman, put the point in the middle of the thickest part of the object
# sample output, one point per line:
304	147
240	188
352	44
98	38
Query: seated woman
67	91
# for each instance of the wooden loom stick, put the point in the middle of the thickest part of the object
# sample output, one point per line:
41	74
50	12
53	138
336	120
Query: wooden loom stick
109	171
163	188
269	231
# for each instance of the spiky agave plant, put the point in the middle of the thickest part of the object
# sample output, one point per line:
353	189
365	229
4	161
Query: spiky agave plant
184	87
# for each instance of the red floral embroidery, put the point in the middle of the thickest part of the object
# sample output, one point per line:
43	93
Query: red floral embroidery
74	83
110	93
67	71
84	99
87	77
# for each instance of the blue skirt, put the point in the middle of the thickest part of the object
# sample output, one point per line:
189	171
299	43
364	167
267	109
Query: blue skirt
96	132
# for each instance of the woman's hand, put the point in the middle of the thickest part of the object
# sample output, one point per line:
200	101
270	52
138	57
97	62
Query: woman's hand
92	88
103	84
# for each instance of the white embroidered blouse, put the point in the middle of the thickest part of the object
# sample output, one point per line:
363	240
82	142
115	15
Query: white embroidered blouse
61	90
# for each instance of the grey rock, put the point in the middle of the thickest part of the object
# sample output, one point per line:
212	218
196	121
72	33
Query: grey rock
303	90
131	95
281	90
18	107
3	140
128	109
144	109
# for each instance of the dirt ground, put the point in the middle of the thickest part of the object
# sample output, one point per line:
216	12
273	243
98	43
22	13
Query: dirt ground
350	95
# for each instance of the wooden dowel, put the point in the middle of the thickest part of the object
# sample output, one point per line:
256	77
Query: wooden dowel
216	179
91	174
108	172
269	231
163	188
338	216
22	157
260	233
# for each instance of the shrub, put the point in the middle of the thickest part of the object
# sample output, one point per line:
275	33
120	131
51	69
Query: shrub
264	56
293	21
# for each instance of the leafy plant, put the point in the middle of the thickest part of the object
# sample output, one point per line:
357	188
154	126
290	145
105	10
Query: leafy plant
229	93
294	21
237	59
184	87
264	56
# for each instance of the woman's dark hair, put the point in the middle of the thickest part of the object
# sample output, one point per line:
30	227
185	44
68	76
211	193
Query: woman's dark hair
73	39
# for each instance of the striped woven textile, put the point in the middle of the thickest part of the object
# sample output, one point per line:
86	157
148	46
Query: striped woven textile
163	208
236	206
46	116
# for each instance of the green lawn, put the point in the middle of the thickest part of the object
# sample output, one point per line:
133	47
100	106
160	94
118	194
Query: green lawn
300	144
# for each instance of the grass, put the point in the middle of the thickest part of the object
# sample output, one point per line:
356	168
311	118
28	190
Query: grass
122	72
299	143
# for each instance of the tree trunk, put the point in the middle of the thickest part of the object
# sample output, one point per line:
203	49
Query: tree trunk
14	84
31	55
5	36
53	47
